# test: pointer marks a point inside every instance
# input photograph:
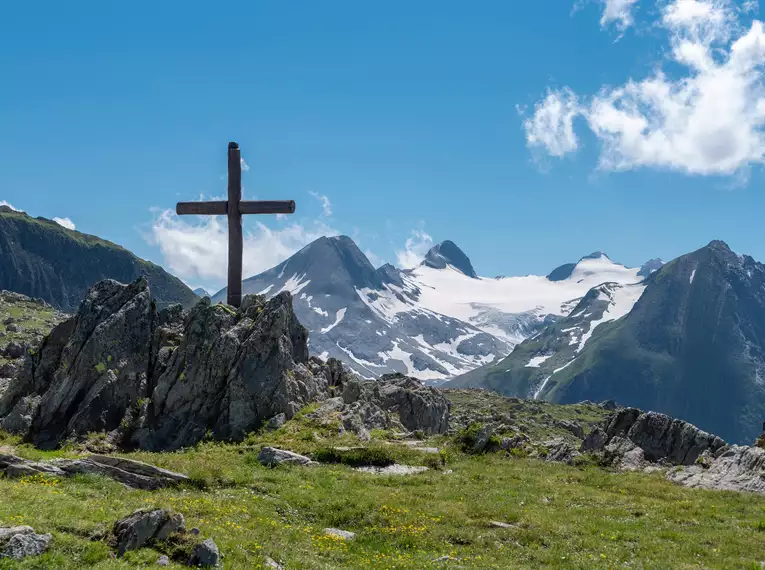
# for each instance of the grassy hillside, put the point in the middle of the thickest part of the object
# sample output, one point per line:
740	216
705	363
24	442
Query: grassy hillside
559	516
40	258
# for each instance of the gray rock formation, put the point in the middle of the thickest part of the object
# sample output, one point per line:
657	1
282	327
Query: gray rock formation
144	526
132	474
21	541
271	456
206	554
662	437
394	402
164	380
735	468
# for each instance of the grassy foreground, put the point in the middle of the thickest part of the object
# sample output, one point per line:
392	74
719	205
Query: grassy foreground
562	517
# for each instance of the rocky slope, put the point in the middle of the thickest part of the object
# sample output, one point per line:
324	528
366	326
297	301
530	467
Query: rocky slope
693	347
44	260
167	379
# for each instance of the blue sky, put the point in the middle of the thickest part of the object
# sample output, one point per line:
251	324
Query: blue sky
530	133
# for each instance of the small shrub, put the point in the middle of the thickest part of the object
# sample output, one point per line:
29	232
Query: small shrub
519	452
467	436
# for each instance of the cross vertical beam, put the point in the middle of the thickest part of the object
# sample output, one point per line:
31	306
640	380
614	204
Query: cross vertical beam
233	209
235	246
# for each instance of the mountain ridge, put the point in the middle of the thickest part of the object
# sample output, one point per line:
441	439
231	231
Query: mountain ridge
42	259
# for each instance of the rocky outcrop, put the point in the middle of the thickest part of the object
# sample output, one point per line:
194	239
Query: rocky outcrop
165	380
394	402
735	468
661	437
19	542
132	474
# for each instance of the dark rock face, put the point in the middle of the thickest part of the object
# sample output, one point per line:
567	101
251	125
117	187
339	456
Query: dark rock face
164	380
447	253
662	437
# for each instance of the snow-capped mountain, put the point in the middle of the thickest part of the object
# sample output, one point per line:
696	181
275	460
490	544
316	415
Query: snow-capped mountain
509	308
688	341
436	321
535	361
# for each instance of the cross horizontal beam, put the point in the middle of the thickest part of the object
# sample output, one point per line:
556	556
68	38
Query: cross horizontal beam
245	207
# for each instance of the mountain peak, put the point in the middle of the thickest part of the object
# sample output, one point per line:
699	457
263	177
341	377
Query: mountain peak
650	266
447	253
719	245
595	255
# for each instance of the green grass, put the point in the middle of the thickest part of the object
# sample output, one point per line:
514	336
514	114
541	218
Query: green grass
563	517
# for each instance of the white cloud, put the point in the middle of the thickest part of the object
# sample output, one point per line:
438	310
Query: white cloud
618	12
325	203
245	166
417	245
708	119
65	222
4	203
552	125
197	252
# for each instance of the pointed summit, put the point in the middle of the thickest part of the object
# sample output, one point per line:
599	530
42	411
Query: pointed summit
595	255
447	253
650	266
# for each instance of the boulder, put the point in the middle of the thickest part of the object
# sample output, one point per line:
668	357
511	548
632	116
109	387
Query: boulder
419	407
343	534
144	526
14	350
595	441
276	422
271	456
482	439
206	554
570	426
519	440
8	370
22	541
623	454
558	449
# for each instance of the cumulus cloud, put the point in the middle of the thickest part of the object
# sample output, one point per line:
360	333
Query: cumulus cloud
617	12
65	222
552	125
197	251
325	203
417	245
706	120
8	204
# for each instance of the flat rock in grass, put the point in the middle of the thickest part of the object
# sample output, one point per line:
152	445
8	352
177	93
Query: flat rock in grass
273	564
21	541
394	469
206	554
498	524
133	474
143	526
271	456
344	534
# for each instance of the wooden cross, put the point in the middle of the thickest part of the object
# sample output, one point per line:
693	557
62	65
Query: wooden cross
234	208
